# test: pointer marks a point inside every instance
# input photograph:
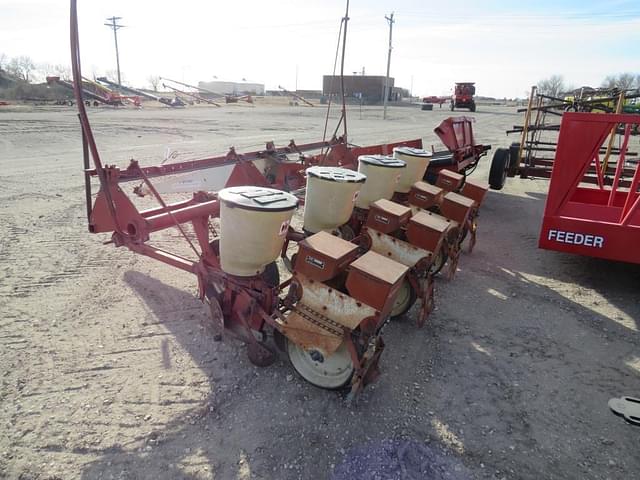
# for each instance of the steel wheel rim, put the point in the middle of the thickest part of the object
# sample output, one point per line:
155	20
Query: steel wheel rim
334	372
402	299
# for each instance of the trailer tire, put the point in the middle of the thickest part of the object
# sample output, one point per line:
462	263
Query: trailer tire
472	107
498	171
452	106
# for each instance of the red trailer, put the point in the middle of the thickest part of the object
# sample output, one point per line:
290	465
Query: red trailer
601	220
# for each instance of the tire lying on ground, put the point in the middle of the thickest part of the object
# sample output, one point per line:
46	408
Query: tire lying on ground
498	171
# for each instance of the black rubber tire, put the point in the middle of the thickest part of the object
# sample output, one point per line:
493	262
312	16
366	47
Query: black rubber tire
472	107
498	171
452	106
271	274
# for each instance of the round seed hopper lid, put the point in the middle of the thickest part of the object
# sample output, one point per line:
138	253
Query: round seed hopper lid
382	161
336	174
413	152
258	198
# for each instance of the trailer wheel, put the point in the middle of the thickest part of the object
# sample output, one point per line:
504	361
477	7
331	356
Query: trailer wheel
472	107
452	106
331	371
498	171
405	299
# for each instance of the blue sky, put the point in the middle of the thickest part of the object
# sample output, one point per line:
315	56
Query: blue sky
504	47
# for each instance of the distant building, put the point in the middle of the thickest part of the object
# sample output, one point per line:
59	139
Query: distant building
233	88
368	88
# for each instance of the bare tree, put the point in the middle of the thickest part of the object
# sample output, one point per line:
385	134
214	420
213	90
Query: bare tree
552	86
13	67
154	81
51	70
21	67
623	81
3	60
62	71
27	66
609	81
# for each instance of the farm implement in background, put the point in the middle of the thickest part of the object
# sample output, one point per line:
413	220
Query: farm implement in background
429	102
208	96
533	156
295	96
462	97
169	102
98	96
195	96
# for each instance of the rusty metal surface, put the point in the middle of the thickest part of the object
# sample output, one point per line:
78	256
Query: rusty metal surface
396	249
303	332
332	304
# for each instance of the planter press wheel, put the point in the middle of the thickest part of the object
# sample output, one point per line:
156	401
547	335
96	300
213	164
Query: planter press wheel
333	372
440	260
405	299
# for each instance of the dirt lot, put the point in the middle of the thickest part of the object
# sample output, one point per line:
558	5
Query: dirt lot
108	371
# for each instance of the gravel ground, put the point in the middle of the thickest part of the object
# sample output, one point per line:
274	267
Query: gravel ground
109	371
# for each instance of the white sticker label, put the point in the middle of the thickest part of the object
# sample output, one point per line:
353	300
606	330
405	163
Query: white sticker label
284	227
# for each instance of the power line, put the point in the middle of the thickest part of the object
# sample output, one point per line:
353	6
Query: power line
114	25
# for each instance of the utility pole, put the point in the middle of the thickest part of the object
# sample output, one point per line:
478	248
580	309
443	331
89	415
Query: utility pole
391	21
115	26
